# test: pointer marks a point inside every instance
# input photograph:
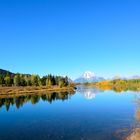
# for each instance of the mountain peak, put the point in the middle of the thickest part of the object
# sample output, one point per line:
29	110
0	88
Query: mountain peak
88	75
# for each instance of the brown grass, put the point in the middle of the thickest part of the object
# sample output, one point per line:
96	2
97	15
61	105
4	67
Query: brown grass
20	90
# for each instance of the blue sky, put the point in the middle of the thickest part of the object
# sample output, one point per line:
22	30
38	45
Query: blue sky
68	37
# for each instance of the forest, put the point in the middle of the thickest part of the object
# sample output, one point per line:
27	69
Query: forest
10	79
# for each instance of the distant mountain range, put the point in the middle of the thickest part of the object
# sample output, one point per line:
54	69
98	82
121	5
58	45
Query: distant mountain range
126	78
89	77
135	77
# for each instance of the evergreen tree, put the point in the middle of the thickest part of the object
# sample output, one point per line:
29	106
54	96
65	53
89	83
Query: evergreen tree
22	80
1	80
43	81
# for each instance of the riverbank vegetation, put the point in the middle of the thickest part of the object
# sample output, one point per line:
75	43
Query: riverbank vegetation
34	89
19	83
117	85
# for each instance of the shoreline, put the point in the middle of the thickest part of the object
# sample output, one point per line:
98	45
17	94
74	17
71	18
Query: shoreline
38	89
117	88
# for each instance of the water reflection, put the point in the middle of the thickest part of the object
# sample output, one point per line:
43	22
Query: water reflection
119	89
88	93
135	132
19	101
109	116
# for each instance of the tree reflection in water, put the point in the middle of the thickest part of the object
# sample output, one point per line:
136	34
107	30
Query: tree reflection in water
19	101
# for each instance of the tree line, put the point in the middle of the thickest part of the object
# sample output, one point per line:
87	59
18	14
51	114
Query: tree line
33	80
124	82
118	82
118	85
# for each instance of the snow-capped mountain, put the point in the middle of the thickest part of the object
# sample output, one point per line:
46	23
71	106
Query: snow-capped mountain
88	76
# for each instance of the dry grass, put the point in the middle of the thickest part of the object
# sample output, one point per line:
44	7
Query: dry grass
20	90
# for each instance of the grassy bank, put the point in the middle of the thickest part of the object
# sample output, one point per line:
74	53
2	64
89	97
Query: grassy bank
116	85
33	89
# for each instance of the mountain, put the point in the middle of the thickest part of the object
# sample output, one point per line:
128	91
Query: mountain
126	78
88	76
135	77
4	72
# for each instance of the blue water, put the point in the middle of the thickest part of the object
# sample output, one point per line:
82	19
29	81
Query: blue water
88	114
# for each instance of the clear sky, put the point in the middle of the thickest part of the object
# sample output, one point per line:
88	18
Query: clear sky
68	37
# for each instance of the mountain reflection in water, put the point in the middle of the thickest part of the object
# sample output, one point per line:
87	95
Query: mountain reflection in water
88	93
19	101
109	116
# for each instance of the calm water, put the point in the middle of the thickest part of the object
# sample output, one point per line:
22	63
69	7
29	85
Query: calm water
88	114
